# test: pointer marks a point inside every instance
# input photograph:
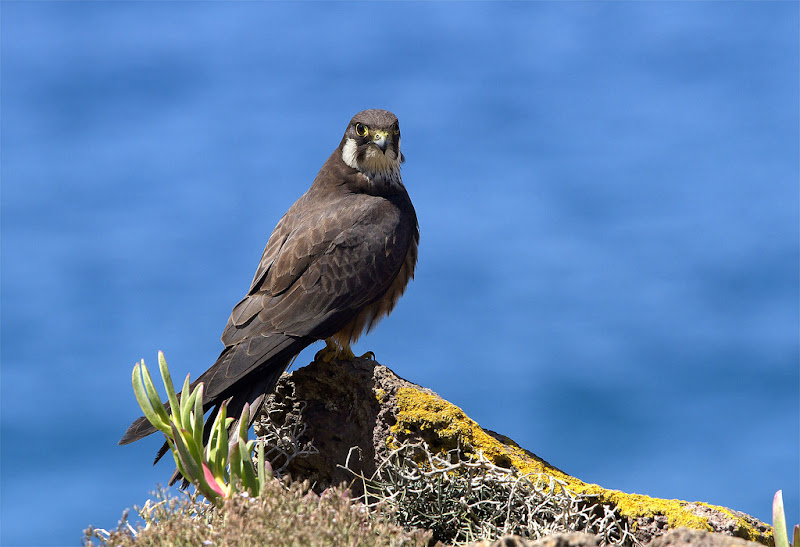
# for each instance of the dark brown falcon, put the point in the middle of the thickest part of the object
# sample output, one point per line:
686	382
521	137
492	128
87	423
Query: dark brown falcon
336	263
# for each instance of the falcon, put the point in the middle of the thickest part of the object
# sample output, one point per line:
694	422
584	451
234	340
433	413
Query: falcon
336	263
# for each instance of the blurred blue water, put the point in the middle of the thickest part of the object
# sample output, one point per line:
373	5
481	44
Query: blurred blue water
607	195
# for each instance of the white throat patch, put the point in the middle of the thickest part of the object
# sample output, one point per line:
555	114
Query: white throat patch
379	168
349	152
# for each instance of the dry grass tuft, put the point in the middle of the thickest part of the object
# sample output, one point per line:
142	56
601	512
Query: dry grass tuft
285	515
463	500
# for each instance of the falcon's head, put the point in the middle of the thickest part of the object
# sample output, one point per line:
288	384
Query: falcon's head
371	144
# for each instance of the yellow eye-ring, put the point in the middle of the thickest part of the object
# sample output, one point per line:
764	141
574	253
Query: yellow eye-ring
361	130
396	130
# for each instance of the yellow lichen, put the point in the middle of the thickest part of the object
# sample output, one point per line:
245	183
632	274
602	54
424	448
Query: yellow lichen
450	427
637	505
421	411
380	395
743	528
391	443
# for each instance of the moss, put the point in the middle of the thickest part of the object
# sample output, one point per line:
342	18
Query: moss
445	426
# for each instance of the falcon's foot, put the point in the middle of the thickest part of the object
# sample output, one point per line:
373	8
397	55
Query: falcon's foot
332	351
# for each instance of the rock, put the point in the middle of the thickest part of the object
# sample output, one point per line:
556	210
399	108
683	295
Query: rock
684	537
573	539
340	405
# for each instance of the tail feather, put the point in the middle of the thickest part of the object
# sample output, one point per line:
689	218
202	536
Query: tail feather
243	373
139	429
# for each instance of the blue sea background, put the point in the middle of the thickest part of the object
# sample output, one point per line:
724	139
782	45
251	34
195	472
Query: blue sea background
607	196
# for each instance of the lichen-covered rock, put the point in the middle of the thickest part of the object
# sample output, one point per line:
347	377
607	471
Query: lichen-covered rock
360	403
341	405
685	537
680	537
573	539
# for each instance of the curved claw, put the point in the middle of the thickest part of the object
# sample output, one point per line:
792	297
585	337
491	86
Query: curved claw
332	352
327	353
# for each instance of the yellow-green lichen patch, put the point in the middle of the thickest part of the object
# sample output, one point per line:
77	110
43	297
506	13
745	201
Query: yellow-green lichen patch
679	513
745	529
451	427
445	426
380	395
636	506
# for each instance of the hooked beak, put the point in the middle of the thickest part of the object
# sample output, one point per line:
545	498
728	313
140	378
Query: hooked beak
381	139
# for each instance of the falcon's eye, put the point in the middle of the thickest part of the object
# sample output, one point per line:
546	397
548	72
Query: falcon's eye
361	130
396	130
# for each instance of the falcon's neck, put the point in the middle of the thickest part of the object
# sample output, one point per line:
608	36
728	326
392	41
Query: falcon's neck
385	181
381	170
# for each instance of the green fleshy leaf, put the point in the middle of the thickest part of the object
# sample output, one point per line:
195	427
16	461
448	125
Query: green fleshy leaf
262	468
186	402
217	447
248	475
779	521
171	396
235	464
189	440
144	401
211	445
234	460
192	466
221	460
244	421
178	464
198	416
212	481
152	395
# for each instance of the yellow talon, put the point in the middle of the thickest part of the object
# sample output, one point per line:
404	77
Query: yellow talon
345	354
327	353
332	352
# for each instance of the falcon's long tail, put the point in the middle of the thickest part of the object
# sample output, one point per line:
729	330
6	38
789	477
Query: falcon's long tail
245	372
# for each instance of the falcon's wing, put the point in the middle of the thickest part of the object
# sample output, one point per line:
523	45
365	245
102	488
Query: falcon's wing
316	274
313	278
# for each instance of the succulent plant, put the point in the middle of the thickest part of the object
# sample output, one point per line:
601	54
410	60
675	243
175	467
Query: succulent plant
779	524
217	469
